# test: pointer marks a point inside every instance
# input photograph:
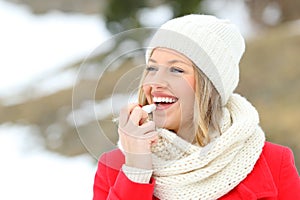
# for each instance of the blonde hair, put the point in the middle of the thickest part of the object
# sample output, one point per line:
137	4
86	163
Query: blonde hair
208	109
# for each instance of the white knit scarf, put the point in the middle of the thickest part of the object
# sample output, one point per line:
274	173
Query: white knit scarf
186	171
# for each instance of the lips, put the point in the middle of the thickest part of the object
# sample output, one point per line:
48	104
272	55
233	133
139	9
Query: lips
163	101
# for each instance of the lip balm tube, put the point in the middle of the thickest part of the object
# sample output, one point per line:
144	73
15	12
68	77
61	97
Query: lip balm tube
149	108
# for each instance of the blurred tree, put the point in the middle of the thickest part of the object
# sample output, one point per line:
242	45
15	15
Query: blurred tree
81	6
121	15
273	12
51	113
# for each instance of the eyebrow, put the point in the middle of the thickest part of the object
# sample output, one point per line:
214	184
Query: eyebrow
169	62
151	60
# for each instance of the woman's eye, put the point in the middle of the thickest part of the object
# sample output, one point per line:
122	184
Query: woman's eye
151	68
176	70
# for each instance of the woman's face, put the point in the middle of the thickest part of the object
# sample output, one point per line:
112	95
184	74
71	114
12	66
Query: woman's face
170	84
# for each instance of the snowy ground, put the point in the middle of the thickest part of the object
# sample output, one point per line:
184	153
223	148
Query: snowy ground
32	46
29	172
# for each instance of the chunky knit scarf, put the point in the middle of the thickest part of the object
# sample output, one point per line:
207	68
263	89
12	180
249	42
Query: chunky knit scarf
186	171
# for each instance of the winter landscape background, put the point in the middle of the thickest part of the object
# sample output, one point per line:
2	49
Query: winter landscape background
44	154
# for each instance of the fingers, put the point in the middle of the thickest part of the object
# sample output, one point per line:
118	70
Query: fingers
125	113
148	127
136	134
134	114
138	116
139	131
138	144
149	136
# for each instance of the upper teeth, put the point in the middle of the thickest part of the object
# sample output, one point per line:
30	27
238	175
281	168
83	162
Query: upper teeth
163	99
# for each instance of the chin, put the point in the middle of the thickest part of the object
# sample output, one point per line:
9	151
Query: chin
165	126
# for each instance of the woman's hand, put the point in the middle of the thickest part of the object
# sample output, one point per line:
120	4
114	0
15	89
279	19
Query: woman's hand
136	135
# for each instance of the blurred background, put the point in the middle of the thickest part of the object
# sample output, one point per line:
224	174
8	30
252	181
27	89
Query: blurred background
43	45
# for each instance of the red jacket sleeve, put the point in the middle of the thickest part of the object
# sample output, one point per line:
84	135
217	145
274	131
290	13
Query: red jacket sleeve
112	184
289	180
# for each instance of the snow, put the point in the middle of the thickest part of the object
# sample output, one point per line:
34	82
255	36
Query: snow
28	171
32	47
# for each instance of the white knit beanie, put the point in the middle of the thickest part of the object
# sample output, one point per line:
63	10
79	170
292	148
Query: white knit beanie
215	46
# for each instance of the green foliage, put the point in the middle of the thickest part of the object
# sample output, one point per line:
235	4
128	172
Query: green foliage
121	15
183	7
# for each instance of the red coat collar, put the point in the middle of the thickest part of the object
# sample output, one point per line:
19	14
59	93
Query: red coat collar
258	184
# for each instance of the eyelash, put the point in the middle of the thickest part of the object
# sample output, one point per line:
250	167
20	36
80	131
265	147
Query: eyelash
172	69
151	68
176	69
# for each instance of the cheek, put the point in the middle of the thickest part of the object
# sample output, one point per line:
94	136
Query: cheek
191	81
147	91
186	91
185	87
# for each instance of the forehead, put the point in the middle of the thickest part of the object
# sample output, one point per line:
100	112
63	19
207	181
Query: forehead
167	56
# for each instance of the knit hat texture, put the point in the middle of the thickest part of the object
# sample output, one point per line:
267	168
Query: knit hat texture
214	45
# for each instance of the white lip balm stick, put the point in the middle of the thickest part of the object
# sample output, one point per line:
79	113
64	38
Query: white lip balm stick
149	108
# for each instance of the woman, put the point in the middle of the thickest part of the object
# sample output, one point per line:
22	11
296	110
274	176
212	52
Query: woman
204	141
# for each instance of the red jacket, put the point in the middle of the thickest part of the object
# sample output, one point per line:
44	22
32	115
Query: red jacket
274	177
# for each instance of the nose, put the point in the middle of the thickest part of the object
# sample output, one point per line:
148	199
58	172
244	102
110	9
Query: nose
159	80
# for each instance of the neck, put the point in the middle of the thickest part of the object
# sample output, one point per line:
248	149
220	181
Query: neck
187	132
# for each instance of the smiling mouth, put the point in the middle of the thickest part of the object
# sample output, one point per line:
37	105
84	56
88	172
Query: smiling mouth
164	102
